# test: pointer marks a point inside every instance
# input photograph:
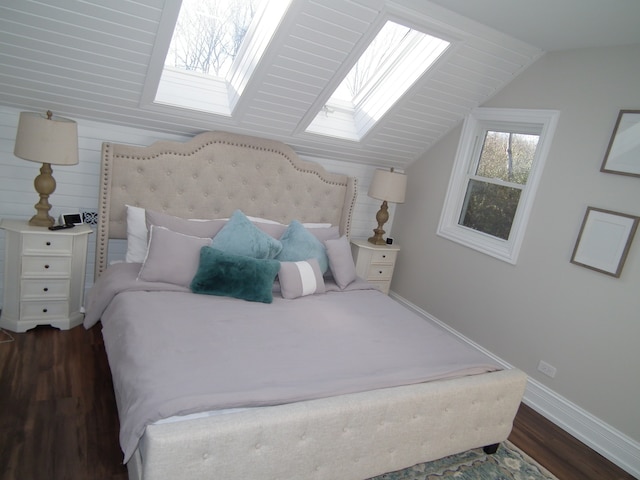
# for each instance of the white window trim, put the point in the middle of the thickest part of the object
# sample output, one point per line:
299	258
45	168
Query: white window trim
542	122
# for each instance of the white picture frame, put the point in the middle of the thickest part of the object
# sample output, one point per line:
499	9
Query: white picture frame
604	240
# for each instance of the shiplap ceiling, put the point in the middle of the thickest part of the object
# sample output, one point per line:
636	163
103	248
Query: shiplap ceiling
89	59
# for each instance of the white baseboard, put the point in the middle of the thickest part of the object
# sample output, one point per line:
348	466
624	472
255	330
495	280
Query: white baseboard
590	430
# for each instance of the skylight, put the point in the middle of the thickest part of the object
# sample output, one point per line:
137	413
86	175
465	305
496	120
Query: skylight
388	41
208	35
390	65
206	66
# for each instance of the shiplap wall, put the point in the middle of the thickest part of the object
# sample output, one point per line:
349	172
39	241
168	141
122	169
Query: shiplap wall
98	60
77	186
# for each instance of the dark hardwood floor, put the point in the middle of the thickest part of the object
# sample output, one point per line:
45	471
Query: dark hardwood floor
562	454
58	415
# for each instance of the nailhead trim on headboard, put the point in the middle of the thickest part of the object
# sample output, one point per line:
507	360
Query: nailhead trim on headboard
212	175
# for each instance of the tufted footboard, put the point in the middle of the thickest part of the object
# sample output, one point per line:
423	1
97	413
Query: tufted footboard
353	436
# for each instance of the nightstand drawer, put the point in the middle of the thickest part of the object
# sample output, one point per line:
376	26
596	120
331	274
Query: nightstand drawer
47	244
44	289
383	257
44	310
375	263
382	286
380	272
46	266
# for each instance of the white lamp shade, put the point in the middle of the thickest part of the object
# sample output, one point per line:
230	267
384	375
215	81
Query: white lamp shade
389	186
45	140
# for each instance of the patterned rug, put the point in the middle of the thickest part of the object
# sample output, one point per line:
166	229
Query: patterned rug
508	463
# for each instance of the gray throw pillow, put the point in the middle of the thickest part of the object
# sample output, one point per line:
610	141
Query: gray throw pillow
341	261
193	227
172	257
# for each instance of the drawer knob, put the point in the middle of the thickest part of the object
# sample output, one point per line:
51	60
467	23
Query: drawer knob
45	289
48	244
46	266
44	310
384	256
380	272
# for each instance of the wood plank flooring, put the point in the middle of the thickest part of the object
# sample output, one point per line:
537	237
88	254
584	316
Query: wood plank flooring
58	418
562	454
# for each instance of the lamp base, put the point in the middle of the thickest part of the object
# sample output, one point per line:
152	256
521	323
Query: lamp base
382	216
45	185
39	221
377	238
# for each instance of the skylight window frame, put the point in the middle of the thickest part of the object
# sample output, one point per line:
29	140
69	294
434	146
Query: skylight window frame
339	119
387	69
225	93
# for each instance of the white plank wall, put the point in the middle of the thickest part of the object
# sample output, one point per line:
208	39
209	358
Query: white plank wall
100	60
77	186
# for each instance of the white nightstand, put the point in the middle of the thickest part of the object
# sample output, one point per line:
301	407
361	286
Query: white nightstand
375	263
44	275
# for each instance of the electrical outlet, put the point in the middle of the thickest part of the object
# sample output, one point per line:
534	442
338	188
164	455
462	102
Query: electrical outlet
548	370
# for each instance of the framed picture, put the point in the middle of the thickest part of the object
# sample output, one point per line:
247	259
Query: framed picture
604	240
623	152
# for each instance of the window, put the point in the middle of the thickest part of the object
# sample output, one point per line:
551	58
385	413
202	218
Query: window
496	172
214	49
391	64
208	35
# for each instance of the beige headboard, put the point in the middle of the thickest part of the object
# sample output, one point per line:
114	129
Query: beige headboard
211	176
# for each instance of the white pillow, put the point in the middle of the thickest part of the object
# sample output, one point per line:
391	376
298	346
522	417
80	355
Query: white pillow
316	225
274	222
262	220
137	234
322	231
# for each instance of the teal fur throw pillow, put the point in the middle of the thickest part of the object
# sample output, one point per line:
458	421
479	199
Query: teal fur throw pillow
237	276
299	244
241	237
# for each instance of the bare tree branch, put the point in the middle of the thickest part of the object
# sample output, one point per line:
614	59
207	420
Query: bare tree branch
209	33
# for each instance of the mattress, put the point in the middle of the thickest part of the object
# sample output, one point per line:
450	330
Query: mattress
176	353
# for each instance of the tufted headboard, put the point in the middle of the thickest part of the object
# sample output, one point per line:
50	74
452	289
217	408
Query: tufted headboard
212	175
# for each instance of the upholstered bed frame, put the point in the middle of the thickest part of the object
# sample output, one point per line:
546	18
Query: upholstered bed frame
211	176
353	436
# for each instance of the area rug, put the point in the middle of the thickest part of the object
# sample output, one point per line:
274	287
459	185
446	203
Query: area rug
508	463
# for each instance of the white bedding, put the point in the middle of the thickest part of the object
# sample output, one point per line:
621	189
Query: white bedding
174	352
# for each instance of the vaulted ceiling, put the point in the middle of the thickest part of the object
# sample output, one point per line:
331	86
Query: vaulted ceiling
91	59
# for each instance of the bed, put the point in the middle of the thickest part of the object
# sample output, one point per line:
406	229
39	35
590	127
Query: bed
311	414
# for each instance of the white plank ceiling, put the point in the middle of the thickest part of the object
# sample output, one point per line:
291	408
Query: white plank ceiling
88	59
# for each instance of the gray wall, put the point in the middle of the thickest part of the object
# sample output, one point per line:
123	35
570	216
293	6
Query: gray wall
584	323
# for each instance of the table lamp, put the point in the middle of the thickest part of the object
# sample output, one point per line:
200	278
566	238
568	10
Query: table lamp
387	186
48	140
